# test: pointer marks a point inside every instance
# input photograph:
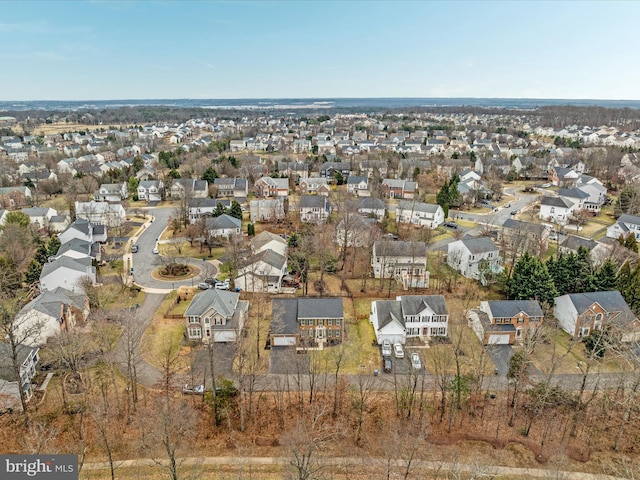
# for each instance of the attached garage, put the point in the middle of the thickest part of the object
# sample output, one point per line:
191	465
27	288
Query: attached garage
284	340
499	339
223	336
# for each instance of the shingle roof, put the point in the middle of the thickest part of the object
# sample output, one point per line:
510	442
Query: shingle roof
574	243
284	315
390	248
224	221
7	372
431	208
320	308
313	201
572	193
414	304
511	308
479	244
556	202
370	203
389	311
222	301
611	301
51	301
77	264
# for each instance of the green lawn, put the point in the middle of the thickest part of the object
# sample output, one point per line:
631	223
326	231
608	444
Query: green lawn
359	354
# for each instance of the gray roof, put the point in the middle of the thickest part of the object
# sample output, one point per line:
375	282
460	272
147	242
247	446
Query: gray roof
313	201
572	193
520	226
36	211
50	302
354	180
223	301
224	221
264	238
370	203
207	202
630	219
414	304
391	248
269	257
573	242
77	245
556	202
388	312
478	245
511	308
6	366
320	308
418	206
611	301
78	264
284	316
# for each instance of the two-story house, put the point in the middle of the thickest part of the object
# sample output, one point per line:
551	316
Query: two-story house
262	272
474	257
223	226
371	207
84	230
404	261
625	225
419	213
203	207
268	187
396	188
10	384
556	209
409	316
112	215
506	322
266	210
359	186
314	208
216	316
112	192
306	321
68	273
519	236
312	185
188	188
329	169
150	190
579	314
231	188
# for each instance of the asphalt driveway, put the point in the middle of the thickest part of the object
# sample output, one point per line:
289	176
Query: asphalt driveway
500	354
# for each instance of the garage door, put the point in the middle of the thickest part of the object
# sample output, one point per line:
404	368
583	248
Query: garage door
284	341
223	337
499	339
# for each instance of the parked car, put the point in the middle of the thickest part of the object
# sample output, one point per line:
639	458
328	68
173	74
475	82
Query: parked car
398	351
508	205
212	281
134	248
204	286
222	286
553	236
514	212
415	361
386	348
386	365
545	185
453	225
190	390
155	250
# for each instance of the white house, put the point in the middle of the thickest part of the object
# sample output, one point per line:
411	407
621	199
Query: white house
112	215
68	273
419	213
359	186
266	240
150	190
474	257
262	272
266	210
112	192
626	225
84	230
404	261
314	208
224	226
409	316
40	217
556	209
10	384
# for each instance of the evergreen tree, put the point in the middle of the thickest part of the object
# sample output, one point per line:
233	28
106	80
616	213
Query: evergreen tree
624	277
251	229
210	174
583	272
605	278
173	173
631	243
33	271
42	255
560	270
448	194
53	245
631	292
219	210
235	210
531	281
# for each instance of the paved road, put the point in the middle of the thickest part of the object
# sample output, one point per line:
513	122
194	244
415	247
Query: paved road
145	261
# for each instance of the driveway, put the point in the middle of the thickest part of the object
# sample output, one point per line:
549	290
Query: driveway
286	361
500	354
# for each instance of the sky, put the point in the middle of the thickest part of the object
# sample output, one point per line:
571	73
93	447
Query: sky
106	50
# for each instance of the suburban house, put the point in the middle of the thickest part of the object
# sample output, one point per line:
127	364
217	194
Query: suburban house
295	170
625	225
563	177
395	188
371	207
329	169
409	316
79	248
201	207
266	240
112	215
556	209
575	196
314	208
189	188
68	273
579	314
224	226
51	312
419	213
112	192
354	230
266	210
268	187
10	385
522	236
474	257
15	197
358	186
231	188
39	217
150	190
262	272
216	315
312	184
505	322
404	261
303	321
84	230
597	193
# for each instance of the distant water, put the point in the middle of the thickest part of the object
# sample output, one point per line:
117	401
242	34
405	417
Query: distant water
294	104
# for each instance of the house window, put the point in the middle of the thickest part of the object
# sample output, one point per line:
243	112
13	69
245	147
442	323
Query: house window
207	320
194	320
552	210
302	322
330	321
518	332
337	333
320	321
599	317
194	333
219	321
584	331
329	332
337	321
